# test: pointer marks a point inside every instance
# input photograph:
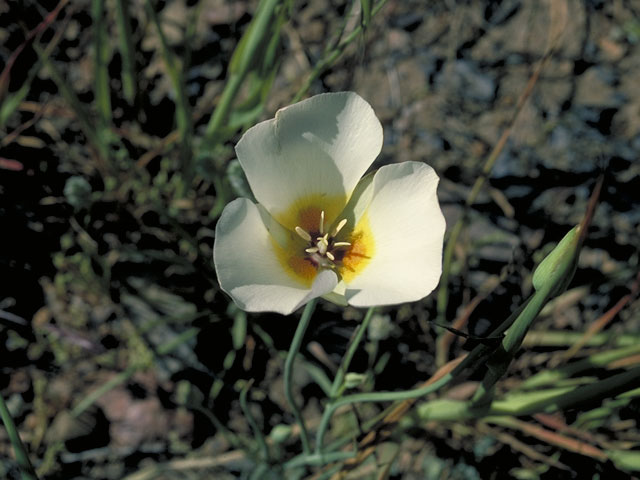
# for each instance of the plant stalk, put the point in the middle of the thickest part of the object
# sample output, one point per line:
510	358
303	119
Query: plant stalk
288	371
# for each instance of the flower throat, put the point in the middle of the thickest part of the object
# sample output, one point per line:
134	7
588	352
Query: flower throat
323	250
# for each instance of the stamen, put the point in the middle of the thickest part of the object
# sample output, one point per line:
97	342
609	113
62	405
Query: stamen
341	224
341	244
330	256
311	249
303	234
321	229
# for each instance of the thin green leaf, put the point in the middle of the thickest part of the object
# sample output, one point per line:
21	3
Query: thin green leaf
127	49
71	98
12	102
367	8
261	32
597	360
339	379
625	459
549	400
26	469
101	53
288	371
183	110
332	55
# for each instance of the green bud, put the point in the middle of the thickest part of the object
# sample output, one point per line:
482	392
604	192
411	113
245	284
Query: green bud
280	433
353	380
559	266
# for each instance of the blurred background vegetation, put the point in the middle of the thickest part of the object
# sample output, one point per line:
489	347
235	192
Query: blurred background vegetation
121	358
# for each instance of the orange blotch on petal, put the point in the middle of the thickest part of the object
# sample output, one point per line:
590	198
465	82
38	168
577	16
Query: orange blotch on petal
295	263
309	218
303	269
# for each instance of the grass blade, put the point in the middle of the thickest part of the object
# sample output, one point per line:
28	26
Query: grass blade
101	64
26	469
244	58
183	110
72	99
127	49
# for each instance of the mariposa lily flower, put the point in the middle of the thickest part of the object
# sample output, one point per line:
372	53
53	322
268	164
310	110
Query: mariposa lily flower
320	228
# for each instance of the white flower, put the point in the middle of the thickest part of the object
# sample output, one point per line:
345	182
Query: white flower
320	229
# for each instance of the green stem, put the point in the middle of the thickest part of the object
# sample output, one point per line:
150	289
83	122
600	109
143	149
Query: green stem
26	469
374	397
242	61
333	55
548	401
334	394
100	67
443	291
288	371
346	361
127	48
550	278
596	360
223	107
556	338
71	98
597	391
474	360
500	361
318	460
183	109
336	387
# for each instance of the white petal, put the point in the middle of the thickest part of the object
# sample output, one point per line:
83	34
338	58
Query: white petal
249	270
407	227
318	147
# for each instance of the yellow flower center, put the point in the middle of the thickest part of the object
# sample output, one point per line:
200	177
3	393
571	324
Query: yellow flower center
305	211
318	246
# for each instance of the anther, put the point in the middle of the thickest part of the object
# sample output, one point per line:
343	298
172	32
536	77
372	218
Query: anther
321	229
330	256
341	224
311	249
303	234
341	244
